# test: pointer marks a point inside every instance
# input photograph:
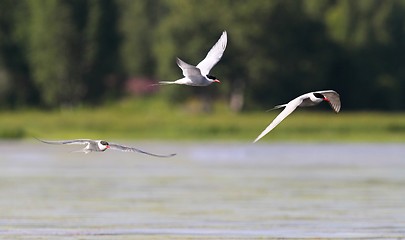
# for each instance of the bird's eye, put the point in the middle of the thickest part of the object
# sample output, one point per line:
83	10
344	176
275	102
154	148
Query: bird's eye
104	143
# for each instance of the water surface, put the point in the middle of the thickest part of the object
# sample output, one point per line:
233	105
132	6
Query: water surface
209	190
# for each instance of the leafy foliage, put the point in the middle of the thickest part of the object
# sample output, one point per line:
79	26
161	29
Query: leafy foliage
67	52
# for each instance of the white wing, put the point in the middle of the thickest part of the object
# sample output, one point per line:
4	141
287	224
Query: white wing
214	55
188	69
289	108
74	141
131	149
334	99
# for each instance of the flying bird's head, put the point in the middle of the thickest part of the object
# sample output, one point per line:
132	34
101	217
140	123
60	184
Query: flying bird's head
320	96
103	145
213	79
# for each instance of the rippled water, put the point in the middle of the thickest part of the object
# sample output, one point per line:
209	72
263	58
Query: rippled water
209	190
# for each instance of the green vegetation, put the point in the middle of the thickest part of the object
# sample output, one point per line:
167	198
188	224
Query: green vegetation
63	52
151	119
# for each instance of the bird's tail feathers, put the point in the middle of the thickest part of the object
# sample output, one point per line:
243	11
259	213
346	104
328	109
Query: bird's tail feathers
277	107
162	83
166	82
81	151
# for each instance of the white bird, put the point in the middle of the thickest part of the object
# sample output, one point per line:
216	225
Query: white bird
305	100
199	75
101	146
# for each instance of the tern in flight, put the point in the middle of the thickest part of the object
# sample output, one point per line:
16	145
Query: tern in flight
305	100
101	146
199	75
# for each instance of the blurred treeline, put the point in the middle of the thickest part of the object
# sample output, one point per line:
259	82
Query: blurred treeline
65	52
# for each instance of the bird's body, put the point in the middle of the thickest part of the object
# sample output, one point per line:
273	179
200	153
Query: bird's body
199	75
305	100
101	146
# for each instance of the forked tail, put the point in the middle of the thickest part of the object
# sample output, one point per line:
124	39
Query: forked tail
277	107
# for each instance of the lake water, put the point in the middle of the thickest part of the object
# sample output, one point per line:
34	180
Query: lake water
208	191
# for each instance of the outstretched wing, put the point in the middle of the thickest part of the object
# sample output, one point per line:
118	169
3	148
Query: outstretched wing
74	141
188	69
214	55
132	149
289	108
334	99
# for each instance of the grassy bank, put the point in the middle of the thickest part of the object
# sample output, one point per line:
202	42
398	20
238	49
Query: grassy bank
157	120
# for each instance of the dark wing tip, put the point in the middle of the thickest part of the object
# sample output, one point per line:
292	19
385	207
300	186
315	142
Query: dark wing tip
44	141
334	99
132	149
335	107
162	156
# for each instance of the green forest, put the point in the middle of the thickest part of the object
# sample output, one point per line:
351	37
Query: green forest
56	53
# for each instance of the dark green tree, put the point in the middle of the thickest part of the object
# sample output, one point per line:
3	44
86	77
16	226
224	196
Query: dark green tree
15	85
74	51
98	45
50	56
372	34
137	24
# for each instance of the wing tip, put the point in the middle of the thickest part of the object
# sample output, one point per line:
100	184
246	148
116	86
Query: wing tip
178	61
258	138
335	108
225	37
162	156
41	140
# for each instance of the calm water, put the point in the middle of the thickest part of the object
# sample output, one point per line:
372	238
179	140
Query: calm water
210	190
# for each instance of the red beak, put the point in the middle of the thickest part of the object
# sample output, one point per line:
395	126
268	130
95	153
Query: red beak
217	81
326	99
